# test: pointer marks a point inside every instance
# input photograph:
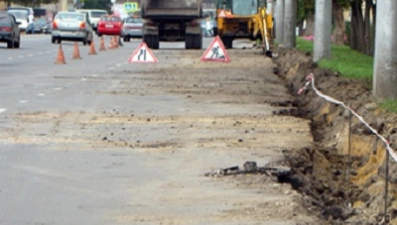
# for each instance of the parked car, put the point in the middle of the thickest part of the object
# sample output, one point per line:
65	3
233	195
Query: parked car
21	17
9	30
132	28
71	26
28	10
93	16
39	26
110	25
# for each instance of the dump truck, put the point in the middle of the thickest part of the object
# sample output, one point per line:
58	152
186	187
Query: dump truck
172	20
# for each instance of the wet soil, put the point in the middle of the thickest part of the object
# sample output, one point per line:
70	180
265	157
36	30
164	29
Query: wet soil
342	175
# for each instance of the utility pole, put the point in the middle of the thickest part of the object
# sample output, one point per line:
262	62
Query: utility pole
279	20
290	18
322	29
385	61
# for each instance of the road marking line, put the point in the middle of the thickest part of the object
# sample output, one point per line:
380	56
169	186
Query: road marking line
118	64
2	110
23	101
111	68
21	56
57	88
94	75
83	79
41	94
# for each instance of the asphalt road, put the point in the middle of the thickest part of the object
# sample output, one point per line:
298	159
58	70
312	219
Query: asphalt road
39	186
103	141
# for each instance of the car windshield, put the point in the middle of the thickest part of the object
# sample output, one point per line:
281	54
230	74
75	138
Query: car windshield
71	17
244	7
97	14
240	7
4	20
133	20
19	14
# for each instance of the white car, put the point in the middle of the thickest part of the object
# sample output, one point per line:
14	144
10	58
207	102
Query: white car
93	16
21	16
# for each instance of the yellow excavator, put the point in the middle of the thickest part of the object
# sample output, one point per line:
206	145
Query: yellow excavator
237	19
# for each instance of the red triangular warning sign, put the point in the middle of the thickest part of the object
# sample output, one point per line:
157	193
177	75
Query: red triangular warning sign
222	14
216	52
143	54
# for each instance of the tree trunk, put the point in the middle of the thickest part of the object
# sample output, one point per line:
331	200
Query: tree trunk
367	28
309	31
358	29
373	21
373	24
339	31
353	27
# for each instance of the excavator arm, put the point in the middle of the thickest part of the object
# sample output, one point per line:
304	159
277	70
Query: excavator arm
262	23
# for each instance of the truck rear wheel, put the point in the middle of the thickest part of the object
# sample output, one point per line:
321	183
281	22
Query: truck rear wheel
197	41
189	41
155	41
152	41
227	42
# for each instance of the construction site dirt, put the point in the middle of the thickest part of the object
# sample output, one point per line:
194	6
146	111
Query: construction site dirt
343	173
188	142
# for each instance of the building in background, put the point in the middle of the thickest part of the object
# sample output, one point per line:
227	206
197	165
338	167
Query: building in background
68	4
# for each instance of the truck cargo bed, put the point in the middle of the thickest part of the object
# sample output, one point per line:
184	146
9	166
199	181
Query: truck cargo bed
171	8
165	4
152	13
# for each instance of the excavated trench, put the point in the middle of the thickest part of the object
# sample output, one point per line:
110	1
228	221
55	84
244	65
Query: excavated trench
342	175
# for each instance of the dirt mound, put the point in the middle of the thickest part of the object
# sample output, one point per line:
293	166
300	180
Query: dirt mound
343	174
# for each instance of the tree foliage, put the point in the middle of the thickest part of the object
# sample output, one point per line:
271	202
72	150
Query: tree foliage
343	3
305	9
97	4
28	3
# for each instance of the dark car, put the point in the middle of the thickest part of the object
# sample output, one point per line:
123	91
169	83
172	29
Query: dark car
9	30
39	26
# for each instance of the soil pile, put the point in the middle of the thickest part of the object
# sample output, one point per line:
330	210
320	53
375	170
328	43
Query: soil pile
342	175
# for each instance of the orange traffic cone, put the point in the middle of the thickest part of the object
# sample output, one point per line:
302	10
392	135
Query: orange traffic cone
76	52
61	56
102	47
92	48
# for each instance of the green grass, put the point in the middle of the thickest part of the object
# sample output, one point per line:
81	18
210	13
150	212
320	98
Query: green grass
347	62
389	105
